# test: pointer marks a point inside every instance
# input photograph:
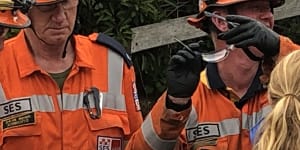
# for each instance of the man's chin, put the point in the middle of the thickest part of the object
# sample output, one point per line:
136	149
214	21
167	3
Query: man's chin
57	40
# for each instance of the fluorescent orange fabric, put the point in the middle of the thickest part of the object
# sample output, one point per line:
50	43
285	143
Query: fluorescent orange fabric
14	19
213	121
60	120
46	2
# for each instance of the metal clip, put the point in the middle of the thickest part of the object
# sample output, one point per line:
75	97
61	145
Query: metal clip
98	99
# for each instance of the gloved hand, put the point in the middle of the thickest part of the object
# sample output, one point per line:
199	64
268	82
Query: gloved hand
251	32
183	72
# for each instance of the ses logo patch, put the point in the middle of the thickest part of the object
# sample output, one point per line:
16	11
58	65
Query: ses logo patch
109	143
202	131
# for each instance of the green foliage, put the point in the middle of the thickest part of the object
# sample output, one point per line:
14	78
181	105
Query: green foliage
12	33
150	68
116	18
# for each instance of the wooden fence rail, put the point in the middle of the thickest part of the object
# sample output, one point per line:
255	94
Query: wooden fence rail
159	34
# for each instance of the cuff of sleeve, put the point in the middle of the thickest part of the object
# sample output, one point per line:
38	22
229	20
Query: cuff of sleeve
177	107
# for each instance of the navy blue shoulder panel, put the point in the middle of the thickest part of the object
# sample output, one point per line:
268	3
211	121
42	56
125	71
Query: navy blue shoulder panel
115	46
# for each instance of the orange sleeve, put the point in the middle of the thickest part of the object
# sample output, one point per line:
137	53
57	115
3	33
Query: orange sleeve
161	128
286	46
132	102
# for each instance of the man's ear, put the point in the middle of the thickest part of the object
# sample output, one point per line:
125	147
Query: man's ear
219	23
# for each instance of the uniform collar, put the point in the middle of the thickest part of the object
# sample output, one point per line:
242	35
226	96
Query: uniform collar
26	62
214	81
213	77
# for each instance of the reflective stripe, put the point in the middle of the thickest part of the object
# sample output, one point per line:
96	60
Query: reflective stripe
72	101
250	121
213	129
115	72
75	101
152	139
42	103
2	94
113	99
230	127
193	119
38	102
226	127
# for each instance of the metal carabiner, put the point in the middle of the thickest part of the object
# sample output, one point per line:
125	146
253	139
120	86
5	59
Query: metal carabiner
98	98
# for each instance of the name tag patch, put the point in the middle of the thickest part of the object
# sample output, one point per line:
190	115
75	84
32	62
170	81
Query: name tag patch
109	143
203	131
19	120
14	107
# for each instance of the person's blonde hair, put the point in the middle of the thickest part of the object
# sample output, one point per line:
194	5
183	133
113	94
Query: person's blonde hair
281	128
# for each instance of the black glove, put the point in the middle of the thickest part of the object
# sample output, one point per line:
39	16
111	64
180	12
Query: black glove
183	72
251	32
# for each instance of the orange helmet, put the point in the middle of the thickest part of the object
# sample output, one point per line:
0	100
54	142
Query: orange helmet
47	2
207	4
11	13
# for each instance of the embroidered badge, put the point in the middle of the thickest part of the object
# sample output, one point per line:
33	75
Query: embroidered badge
19	120
15	107
205	143
109	143
136	97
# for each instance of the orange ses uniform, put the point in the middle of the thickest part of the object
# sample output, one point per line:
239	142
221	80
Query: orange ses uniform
37	115
213	121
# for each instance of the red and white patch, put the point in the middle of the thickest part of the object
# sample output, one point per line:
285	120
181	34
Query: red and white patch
136	97
109	143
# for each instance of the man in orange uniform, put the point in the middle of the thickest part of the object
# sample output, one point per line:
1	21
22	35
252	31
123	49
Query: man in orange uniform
11	16
221	107
64	91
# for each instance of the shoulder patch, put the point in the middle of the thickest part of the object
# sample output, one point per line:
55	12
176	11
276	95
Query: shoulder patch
115	46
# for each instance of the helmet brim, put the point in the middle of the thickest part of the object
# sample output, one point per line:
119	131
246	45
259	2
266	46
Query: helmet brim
46	2
196	21
17	20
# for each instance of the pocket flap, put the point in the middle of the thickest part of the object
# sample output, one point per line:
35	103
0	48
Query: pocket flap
27	124
109	119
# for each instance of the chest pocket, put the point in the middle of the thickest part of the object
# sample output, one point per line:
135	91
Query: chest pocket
108	131
113	115
112	123
23	130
